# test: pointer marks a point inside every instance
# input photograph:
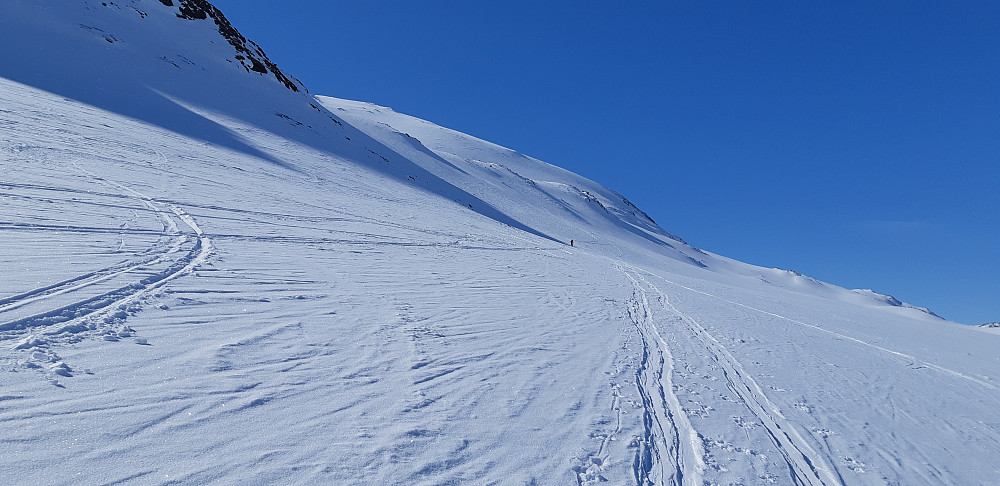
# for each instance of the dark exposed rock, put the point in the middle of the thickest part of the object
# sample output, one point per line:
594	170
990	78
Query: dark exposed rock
249	54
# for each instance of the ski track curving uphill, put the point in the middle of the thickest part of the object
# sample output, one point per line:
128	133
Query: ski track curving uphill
52	320
670	451
805	466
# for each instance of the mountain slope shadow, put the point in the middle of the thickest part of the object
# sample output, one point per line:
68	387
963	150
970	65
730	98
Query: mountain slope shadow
176	68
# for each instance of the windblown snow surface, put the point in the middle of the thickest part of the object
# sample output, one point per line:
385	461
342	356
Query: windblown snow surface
210	276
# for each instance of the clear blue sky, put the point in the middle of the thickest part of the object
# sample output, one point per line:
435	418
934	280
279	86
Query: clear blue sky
856	142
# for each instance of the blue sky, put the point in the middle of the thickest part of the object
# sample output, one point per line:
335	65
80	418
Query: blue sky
855	142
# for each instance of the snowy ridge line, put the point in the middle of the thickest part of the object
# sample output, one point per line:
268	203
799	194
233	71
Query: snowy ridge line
845	337
681	444
806	466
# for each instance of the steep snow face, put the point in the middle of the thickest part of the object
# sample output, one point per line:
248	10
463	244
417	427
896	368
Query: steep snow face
181	67
155	63
567	205
115	43
206	276
541	195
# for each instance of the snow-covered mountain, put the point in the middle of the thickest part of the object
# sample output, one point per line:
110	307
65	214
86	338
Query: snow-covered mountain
210	275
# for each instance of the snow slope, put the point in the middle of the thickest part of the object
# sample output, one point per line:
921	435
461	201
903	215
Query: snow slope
208	275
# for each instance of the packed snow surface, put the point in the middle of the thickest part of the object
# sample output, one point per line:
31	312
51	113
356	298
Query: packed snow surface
207	276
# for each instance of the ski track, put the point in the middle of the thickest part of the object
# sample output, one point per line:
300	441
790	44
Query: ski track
914	360
670	451
73	284
806	466
452	388
105	313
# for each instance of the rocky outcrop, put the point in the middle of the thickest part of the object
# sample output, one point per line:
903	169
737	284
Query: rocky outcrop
249	54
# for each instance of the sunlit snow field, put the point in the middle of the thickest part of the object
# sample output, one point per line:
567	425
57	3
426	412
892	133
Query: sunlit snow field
318	291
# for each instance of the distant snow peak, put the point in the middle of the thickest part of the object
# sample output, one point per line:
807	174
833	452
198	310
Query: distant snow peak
797	277
890	300
249	54
884	298
991	325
